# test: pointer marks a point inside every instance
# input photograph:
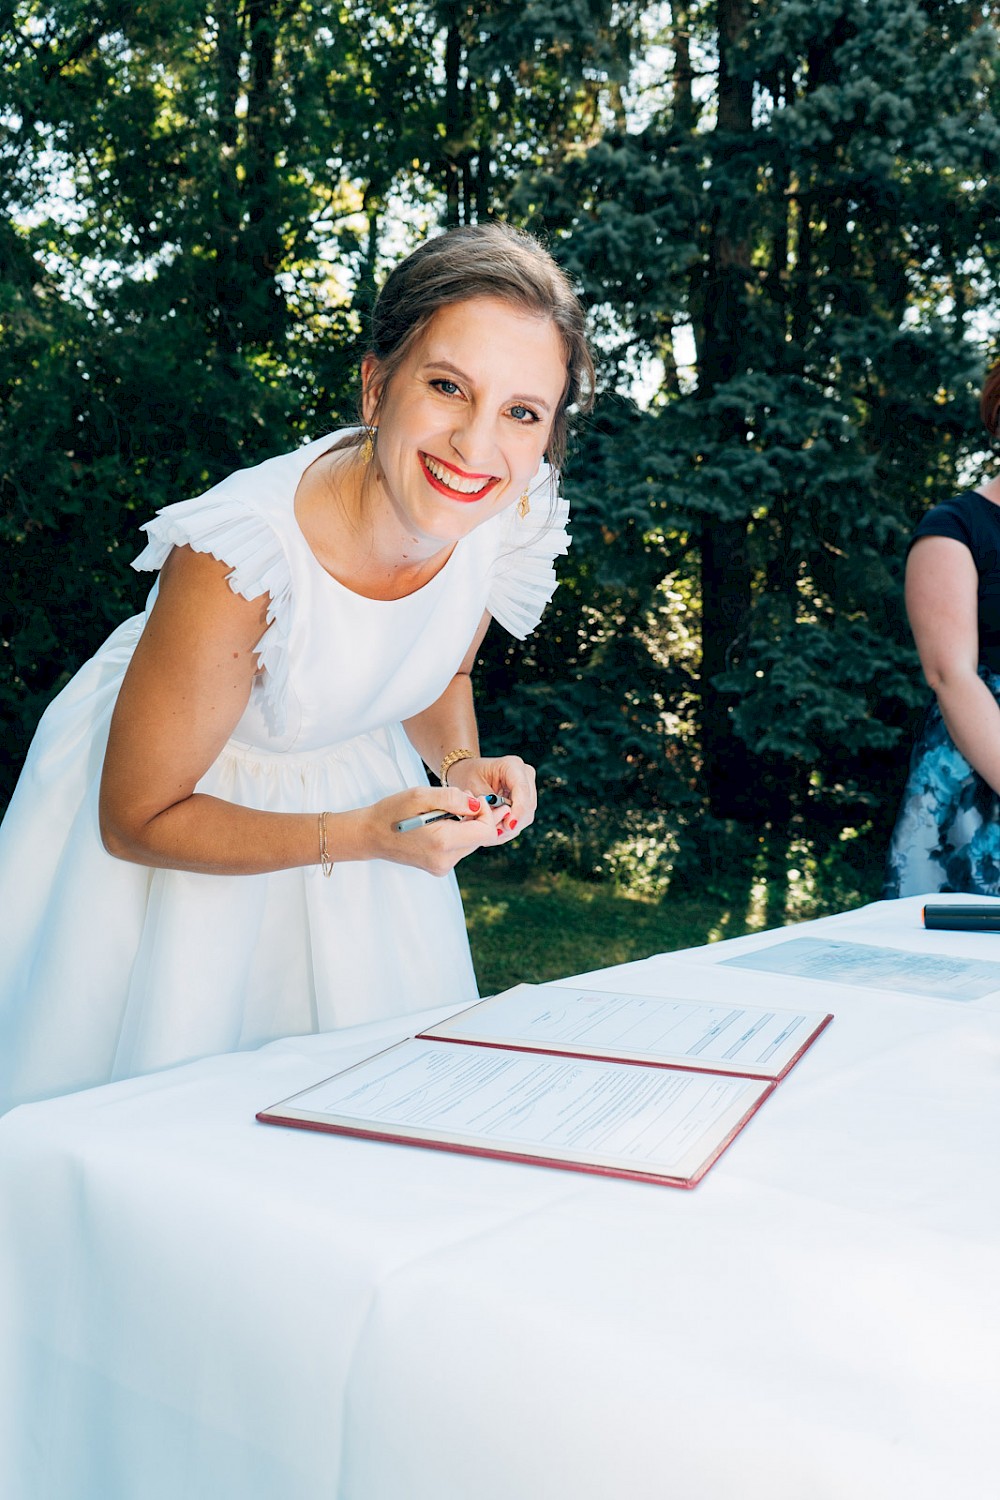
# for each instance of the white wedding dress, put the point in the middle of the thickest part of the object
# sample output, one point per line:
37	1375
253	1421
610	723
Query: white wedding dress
110	969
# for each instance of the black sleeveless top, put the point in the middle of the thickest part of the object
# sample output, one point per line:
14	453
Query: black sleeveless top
975	521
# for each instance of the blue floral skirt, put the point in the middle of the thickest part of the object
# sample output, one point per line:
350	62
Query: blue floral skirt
947	834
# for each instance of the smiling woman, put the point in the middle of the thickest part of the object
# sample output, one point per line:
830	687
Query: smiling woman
452	439
265	723
461	418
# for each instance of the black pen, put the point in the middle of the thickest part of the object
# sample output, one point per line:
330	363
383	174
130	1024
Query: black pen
422	819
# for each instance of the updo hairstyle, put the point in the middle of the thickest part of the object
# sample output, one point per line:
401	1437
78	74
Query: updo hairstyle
483	260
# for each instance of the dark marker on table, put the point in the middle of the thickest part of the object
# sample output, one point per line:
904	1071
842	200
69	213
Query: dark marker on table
963	916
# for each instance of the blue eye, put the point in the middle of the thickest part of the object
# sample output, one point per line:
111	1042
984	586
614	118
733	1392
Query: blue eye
523	414
446	387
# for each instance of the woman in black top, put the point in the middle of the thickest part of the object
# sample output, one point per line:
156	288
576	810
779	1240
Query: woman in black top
947	835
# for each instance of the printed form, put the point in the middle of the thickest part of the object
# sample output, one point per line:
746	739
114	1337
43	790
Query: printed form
716	1036
939	975
606	1114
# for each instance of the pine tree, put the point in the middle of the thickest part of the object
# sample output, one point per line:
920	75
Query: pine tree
197	201
813	202
191	201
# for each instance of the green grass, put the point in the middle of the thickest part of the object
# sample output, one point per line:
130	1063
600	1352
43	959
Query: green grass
541	926
526	928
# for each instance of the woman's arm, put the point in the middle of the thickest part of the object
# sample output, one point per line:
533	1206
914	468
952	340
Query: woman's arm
183	694
942	604
450	724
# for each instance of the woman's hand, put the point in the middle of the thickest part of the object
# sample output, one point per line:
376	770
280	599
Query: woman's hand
450	722
435	847
507	776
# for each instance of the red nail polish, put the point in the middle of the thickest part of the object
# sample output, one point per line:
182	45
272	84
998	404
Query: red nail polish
511	822
474	804
499	833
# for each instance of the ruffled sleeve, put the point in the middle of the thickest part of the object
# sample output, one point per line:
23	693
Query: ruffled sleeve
524	575
234	533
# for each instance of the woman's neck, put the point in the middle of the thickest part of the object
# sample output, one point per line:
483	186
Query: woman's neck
355	535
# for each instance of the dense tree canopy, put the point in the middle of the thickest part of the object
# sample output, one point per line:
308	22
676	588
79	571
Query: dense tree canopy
783	218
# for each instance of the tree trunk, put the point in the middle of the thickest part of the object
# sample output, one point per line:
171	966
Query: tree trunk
725	561
262	249
684	111
227	234
725	604
452	119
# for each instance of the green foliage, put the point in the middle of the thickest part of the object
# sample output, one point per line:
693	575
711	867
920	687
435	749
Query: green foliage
788	212
537	926
530	926
180	210
822	225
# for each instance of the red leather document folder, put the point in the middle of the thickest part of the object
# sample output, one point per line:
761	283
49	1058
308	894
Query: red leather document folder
481	1093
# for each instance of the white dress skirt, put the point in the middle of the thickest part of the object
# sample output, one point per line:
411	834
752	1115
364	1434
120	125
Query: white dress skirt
110	969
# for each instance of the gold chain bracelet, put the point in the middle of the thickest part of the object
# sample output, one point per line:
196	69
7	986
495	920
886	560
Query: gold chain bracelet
452	759
324	854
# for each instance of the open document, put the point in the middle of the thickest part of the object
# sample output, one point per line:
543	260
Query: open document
585	1080
617	1118
711	1036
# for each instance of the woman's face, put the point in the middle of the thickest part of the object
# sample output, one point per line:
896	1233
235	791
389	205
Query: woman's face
466	418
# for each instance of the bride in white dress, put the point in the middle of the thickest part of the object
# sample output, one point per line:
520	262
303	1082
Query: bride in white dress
203	851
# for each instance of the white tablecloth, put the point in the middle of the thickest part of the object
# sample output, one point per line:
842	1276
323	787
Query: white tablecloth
194	1306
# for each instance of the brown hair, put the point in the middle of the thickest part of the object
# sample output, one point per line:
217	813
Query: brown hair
483	260
989	402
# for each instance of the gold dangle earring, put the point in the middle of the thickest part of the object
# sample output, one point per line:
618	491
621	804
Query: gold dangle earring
368	446
524	504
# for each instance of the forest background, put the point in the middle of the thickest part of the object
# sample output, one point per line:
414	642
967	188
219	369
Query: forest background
783	218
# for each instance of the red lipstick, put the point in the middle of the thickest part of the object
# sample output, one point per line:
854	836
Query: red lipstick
490	481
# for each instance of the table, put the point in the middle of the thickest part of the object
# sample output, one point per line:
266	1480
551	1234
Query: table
196	1305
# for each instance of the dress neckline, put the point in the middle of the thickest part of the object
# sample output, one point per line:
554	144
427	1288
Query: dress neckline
306	457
